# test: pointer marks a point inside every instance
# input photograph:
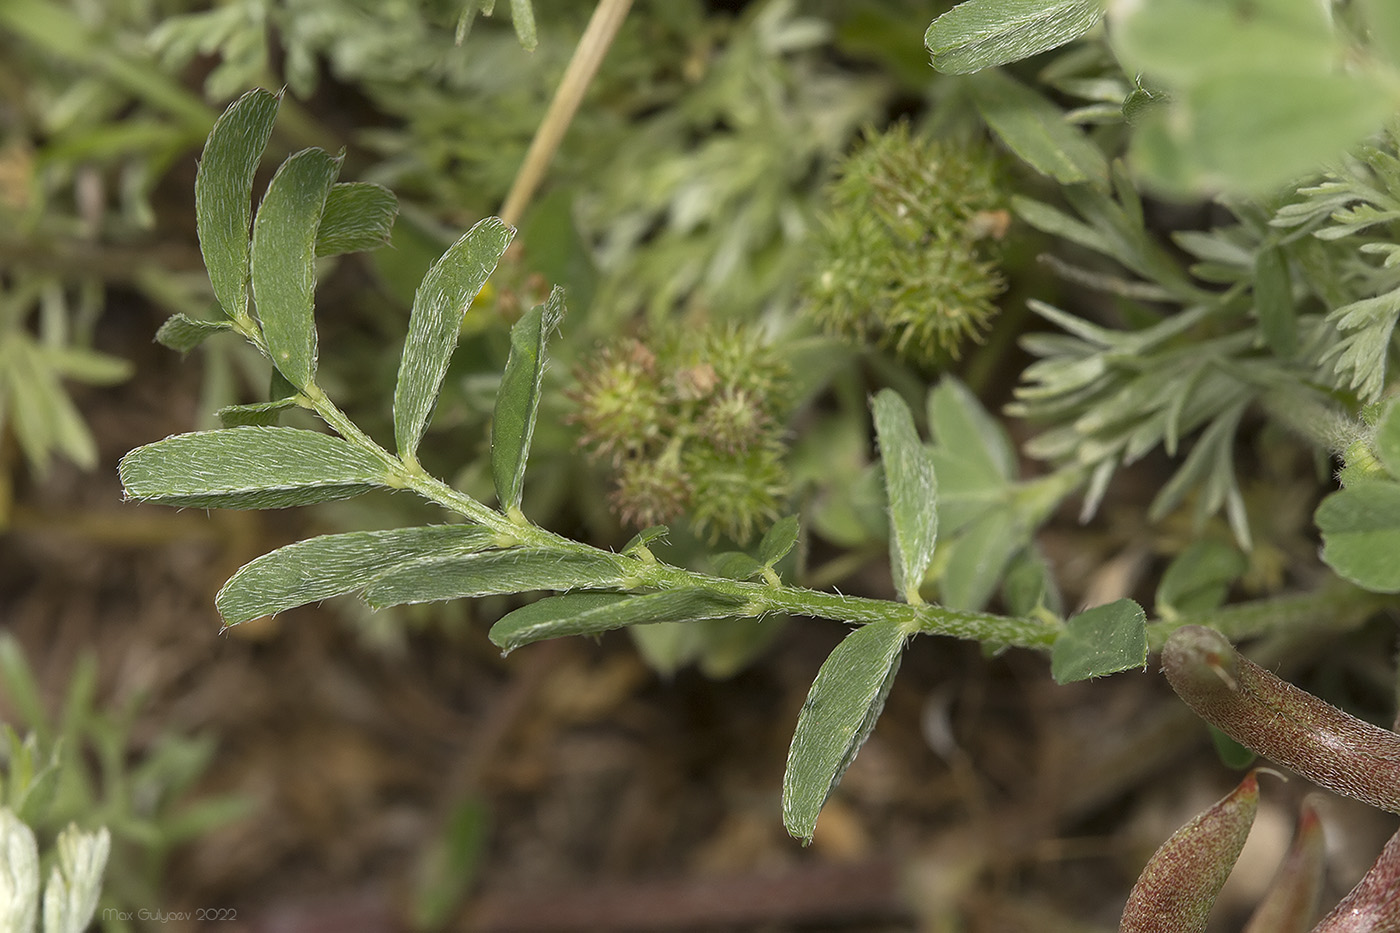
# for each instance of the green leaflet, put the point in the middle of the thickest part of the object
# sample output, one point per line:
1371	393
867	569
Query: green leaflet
232	416
912	489
284	260
1036	130
1273	301
735	565
1199	578
359	216
1387	442
836	719
330	565
1103	640
959	423
223	194
45	420
593	613
1254	100
780	539
518	399
522	16
444	296
981	554
644	538
512	570
1360	528
983	33
183	333
249	468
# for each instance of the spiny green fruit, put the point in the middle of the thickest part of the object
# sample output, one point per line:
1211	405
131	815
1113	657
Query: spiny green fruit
691	422
620	402
907	247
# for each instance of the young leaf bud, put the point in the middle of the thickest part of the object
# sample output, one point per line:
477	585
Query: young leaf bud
1178	887
1281	722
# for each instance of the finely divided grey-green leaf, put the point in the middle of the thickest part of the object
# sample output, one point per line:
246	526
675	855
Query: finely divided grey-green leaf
223	194
592	613
183	333
444	296
836	719
359	216
284	260
779	540
522	15
514	570
1103	640
249	468
983	33
912	490
518	398
330	565
1036	130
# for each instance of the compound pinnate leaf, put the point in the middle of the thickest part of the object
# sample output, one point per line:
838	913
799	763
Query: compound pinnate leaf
359	216
183	333
331	565
1182	879
513	570
983	33
284	260
1103	640
249	468
592	613
1372	906
223	194
1360	528
1036	130
444	296
912	489
518	399
838	716
1280	722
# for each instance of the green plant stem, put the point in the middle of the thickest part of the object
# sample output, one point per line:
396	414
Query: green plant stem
1335	606
1340	603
